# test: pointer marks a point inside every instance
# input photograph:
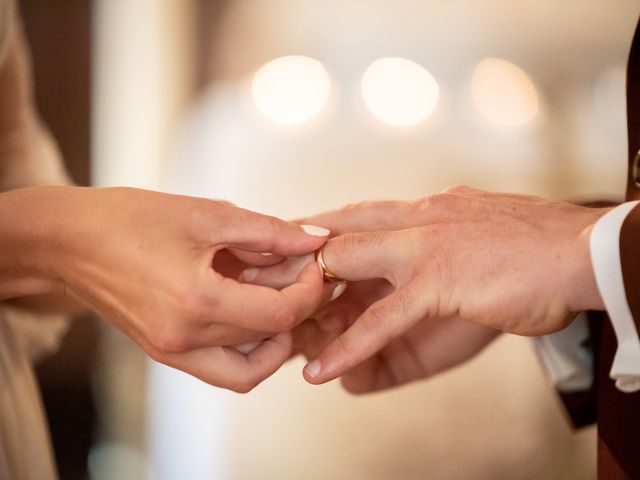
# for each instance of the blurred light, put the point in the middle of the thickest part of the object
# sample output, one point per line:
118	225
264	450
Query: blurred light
399	92
291	89
504	93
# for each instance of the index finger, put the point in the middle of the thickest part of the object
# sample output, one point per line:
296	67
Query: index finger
376	327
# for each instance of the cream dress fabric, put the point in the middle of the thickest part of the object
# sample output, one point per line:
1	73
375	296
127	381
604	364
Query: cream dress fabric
25	451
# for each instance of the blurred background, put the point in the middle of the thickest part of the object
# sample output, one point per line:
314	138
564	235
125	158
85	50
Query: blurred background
291	107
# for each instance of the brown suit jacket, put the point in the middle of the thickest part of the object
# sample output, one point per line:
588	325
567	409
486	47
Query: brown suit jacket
618	413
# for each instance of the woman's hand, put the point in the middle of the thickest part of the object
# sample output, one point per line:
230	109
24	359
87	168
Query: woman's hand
144	261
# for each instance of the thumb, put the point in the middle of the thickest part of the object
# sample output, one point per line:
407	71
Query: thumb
255	232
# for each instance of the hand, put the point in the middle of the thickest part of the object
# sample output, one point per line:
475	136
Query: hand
514	263
433	345
143	260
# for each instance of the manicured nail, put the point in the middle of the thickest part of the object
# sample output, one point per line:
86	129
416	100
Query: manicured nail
339	290
250	274
247	348
313	368
315	230
266	254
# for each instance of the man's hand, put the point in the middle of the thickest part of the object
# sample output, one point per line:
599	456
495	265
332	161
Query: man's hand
429	347
513	263
145	262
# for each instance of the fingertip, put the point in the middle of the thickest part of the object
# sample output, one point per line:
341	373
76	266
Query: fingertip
338	290
248	348
312	272
311	372
299	241
248	275
323	368
316	231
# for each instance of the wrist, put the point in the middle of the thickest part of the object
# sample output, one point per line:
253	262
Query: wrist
584	293
30	254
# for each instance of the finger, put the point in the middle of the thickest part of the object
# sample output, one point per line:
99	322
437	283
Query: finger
463	190
216	334
397	215
230	264
254	232
367	217
364	256
268	310
430	347
226	367
262	259
247	348
379	324
279	276
284	274
311	337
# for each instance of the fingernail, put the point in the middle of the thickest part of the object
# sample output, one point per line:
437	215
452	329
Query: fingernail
339	290
315	230
313	368
247	348
250	274
266	254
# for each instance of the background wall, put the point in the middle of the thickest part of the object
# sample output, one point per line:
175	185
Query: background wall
495	417
175	108
55	31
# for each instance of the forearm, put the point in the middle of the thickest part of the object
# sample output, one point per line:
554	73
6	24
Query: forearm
28	156
31	250
24	229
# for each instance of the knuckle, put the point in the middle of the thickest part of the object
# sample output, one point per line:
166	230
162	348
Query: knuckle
342	246
243	386
196	305
169	339
274	224
376	317
155	354
460	188
346	245
440	201
243	383
373	239
404	299
354	206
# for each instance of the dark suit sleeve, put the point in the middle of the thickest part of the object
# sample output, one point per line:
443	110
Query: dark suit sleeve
630	259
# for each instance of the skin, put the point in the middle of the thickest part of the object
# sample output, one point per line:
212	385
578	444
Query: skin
159	267
144	261
459	267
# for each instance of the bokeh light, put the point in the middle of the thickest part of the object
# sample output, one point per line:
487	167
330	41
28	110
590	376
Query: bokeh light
399	92
504	93
291	90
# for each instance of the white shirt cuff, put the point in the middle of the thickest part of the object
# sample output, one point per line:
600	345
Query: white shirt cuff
567	357
607	266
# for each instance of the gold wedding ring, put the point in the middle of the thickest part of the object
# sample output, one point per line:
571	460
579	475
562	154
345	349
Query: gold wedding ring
327	274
